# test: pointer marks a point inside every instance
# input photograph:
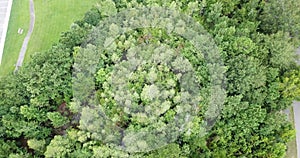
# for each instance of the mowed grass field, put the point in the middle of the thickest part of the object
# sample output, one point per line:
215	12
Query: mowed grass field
19	18
52	18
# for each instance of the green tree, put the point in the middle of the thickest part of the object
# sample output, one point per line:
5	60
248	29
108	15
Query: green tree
37	145
59	147
280	16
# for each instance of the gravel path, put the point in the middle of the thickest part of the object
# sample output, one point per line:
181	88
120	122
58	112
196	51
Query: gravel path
27	38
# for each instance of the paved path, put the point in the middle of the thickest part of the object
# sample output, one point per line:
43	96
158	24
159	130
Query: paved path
5	9
27	38
296	107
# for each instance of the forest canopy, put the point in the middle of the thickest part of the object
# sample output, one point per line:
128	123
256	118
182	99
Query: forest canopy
150	89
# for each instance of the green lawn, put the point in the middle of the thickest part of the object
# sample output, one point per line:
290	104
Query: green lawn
52	18
19	19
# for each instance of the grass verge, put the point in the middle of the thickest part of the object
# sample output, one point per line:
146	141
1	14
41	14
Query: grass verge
19	18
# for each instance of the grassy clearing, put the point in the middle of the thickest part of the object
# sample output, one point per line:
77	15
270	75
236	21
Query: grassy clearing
19	19
52	18
292	146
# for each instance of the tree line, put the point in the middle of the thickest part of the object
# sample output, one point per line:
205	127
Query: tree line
256	39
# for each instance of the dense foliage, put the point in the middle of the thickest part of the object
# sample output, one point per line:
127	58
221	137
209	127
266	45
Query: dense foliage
257	40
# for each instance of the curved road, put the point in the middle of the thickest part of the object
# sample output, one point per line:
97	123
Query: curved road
27	38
